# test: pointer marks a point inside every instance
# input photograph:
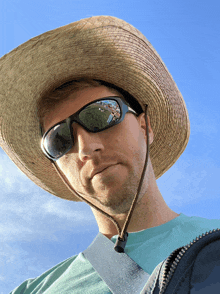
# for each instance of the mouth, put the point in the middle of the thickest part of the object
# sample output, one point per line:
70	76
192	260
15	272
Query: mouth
100	170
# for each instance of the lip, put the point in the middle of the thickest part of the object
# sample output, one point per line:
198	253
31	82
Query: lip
100	169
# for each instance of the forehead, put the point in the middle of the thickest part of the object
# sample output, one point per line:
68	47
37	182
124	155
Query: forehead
74	102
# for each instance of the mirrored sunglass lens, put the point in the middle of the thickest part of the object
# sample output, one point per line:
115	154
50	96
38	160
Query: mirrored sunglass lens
100	114
58	140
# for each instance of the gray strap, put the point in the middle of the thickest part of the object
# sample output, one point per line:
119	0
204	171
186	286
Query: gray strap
118	270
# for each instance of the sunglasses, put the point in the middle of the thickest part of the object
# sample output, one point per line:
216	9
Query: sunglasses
94	117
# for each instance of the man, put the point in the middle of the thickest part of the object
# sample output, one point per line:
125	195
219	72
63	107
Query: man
54	90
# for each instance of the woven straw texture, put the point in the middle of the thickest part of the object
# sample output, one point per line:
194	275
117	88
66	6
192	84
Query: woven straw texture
100	47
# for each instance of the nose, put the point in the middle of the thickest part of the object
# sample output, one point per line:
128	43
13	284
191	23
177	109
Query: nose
89	144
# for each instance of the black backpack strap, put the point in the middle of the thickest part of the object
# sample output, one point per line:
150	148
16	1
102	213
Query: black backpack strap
118	270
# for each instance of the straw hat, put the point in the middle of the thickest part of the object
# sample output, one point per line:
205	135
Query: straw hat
104	48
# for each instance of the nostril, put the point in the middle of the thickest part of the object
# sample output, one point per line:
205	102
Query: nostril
85	157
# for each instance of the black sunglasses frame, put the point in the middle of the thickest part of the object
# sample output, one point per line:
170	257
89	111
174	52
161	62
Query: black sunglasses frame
124	106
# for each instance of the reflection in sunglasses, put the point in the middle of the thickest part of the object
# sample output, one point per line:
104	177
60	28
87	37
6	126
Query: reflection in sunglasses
100	114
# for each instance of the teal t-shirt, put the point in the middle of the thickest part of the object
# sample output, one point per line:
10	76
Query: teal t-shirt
147	248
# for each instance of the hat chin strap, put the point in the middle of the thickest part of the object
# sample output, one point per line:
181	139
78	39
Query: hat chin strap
122	238
123	235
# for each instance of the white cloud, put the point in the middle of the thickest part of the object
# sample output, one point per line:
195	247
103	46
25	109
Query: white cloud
28	212
63	211
11	178
39	217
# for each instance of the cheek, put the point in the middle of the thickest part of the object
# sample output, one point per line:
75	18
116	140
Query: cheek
131	138
70	168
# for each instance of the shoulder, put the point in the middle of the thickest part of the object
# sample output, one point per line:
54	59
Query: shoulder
74	275
48	277
201	222
194	226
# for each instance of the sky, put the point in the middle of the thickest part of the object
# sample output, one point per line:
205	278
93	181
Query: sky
39	230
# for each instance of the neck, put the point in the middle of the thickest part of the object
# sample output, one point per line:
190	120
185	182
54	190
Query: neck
150	211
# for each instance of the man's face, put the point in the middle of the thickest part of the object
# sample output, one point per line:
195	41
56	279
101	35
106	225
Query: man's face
103	167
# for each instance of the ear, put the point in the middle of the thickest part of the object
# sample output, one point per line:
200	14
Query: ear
142	123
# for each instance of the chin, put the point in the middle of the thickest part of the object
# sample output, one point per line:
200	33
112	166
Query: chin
116	204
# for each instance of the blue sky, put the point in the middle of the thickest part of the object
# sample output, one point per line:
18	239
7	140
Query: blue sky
39	230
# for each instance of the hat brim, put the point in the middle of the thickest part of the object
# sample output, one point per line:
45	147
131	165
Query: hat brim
104	48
